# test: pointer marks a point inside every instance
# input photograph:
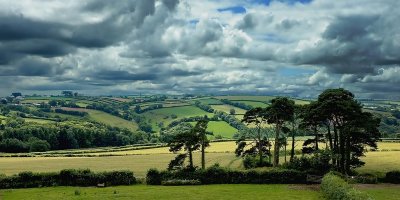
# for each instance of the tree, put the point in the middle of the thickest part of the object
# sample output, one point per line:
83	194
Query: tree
260	144
232	111
186	139
312	119
280	111
200	130
352	128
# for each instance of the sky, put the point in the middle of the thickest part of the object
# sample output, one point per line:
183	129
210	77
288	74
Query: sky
262	47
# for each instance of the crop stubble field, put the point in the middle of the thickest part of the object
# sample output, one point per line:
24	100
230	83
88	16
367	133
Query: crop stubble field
139	161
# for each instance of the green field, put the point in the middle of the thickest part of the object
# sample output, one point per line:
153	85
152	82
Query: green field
210	101
164	114
211	192
220	128
107	119
40	121
35	101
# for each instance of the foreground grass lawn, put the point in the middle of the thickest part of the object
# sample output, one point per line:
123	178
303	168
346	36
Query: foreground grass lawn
381	191
211	192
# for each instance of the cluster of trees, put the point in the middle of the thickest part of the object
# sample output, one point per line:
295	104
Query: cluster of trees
237	104
71	112
105	107
396	114
20	136
138	109
204	107
63	103
336	119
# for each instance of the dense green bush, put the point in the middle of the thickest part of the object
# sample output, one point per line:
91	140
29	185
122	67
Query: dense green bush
366	179
175	182
335	188
316	164
393	177
250	162
219	175
69	177
153	177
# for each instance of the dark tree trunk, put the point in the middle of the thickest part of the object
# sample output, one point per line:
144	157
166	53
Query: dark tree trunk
203	155
259	146
342	152
330	136
276	147
292	150
348	151
316	138
190	159
335	148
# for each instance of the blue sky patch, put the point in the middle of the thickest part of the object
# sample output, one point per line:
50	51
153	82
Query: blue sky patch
290	2
295	71
193	21
233	9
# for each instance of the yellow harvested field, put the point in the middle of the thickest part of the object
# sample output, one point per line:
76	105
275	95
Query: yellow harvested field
139	164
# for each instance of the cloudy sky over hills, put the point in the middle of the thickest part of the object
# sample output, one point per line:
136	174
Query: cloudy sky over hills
286	47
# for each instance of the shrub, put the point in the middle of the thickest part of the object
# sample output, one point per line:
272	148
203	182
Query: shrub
367	179
153	177
316	164
335	188
175	182
254	161
393	177
39	146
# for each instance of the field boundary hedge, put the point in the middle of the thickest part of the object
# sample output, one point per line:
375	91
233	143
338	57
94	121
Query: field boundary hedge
219	175
67	177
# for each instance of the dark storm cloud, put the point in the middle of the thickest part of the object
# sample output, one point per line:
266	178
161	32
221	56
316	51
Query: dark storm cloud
30	67
355	44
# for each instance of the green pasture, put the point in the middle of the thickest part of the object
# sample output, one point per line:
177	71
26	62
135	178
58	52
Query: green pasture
220	128
206	192
39	121
164	114
210	101
108	119
35	101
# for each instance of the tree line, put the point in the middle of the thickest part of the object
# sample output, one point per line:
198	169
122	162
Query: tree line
20	136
